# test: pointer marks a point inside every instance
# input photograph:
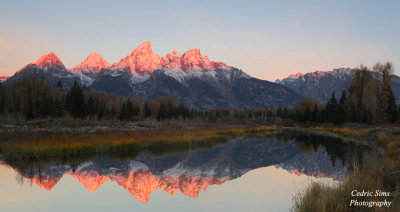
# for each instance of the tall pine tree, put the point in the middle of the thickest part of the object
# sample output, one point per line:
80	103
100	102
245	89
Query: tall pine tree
341	112
75	102
331	108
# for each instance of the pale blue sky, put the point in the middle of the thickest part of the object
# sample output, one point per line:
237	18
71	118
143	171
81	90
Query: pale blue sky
267	39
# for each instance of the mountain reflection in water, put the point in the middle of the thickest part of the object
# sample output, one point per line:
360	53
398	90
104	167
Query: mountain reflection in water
194	171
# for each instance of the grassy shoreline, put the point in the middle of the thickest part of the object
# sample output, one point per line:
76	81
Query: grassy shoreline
36	144
384	176
45	142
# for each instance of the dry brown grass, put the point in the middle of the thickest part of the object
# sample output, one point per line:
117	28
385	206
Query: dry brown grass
116	138
241	131
48	142
385	177
347	131
321	197
392	145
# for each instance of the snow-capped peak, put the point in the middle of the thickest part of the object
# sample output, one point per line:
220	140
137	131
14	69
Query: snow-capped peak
192	60
141	61
48	61
94	63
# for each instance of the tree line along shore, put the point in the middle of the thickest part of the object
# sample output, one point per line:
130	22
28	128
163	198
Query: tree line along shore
369	99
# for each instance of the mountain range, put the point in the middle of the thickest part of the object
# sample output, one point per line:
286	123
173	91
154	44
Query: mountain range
189	77
319	85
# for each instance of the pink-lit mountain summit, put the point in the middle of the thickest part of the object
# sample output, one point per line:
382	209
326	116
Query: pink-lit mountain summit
94	62
141	60
49	60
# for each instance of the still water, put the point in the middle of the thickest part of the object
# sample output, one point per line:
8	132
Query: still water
244	174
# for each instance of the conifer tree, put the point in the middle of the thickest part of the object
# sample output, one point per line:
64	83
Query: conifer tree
91	106
75	102
128	110
315	116
340	113
331	108
59	85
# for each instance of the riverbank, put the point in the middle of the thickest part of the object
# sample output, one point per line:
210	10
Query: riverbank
384	176
48	139
43	140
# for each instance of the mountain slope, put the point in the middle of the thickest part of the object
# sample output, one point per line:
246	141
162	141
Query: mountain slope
193	79
49	68
203	90
189	77
319	85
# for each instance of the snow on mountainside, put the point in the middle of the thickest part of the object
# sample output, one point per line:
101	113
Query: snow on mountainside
48	67
212	75
319	85
192	60
92	63
340	73
189	77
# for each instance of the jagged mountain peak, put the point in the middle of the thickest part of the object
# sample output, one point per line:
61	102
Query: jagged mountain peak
295	76
170	56
48	61
317	74
175	53
192	60
319	85
92	63
141	61
195	53
145	46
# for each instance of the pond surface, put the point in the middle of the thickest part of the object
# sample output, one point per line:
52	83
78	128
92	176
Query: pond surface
254	174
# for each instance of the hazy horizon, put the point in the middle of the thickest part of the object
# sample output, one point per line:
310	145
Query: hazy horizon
268	40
